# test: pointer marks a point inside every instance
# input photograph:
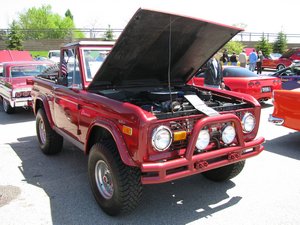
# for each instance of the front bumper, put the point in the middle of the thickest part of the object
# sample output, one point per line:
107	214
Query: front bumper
190	163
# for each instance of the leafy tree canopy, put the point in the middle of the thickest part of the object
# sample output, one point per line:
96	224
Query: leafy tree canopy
234	46
42	19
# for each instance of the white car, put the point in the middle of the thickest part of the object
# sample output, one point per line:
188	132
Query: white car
54	55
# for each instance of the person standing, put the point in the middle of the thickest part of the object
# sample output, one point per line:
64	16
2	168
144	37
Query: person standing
225	57
213	76
252	60
233	59
260	58
243	58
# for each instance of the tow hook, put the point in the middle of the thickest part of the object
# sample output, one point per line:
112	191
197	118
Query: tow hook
201	164
234	156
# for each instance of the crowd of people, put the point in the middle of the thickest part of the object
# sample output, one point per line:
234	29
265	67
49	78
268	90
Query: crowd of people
254	59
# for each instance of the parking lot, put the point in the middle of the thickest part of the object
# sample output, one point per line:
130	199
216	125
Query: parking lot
39	189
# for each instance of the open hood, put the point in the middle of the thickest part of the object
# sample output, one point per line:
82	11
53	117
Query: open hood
155	44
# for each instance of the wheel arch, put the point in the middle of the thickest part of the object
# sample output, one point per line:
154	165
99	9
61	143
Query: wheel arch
104	130
42	103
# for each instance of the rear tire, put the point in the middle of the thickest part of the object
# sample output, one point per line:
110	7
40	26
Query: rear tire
116	187
50	142
6	107
225	173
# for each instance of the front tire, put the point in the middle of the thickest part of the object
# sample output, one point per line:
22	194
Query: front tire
280	67
116	187
225	173
6	107
50	142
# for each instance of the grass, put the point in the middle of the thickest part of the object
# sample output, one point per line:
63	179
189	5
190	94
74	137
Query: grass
39	53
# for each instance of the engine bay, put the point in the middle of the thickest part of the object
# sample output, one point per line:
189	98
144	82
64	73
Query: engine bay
166	104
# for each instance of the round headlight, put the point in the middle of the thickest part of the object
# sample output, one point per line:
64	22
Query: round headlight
248	122
228	134
203	139
161	138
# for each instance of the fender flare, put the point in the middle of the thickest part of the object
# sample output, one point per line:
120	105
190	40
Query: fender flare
116	135
46	108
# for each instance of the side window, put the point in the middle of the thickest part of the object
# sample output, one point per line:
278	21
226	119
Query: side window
70	69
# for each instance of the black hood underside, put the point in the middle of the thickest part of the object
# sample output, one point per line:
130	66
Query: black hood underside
155	45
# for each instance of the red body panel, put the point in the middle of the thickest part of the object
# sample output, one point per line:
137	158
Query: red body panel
276	63
286	107
254	86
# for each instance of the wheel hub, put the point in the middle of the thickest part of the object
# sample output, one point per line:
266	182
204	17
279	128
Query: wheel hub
104	179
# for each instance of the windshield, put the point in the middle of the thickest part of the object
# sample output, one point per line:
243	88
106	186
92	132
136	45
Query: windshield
93	59
27	70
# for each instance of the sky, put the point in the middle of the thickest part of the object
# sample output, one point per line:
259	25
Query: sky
258	15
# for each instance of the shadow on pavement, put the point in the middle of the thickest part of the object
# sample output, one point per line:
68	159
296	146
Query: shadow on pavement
20	115
287	145
64	179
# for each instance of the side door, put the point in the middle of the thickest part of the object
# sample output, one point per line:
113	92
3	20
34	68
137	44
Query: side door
67	97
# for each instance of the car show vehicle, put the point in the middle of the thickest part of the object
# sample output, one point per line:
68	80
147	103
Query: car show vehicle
136	117
14	90
290	76
242	80
285	60
286	108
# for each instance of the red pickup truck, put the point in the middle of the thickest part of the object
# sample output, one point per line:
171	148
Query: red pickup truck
128	107
14	90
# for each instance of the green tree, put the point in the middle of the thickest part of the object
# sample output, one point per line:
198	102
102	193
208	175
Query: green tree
15	37
42	23
280	45
69	14
264	46
234	46
108	35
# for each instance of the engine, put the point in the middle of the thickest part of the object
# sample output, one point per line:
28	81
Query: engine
179	102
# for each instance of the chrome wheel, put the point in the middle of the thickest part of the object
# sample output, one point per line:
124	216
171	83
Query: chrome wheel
104	180
42	131
280	67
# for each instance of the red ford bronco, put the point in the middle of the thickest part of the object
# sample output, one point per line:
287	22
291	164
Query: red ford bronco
128	107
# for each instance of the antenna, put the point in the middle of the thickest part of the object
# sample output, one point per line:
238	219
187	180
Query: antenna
169	66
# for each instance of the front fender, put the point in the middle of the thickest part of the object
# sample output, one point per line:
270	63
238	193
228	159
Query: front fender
45	106
116	135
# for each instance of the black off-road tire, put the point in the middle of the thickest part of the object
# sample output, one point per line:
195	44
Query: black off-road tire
6	107
225	173
50	142
125	181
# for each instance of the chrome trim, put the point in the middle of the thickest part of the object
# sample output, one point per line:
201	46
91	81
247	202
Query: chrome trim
275	120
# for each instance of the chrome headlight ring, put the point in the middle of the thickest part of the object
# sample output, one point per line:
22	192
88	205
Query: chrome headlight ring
248	122
161	138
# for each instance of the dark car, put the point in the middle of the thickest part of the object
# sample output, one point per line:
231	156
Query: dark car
290	76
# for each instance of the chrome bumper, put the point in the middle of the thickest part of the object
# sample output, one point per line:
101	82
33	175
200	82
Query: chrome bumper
275	120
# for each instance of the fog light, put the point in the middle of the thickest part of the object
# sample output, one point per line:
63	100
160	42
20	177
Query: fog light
228	134
203	140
